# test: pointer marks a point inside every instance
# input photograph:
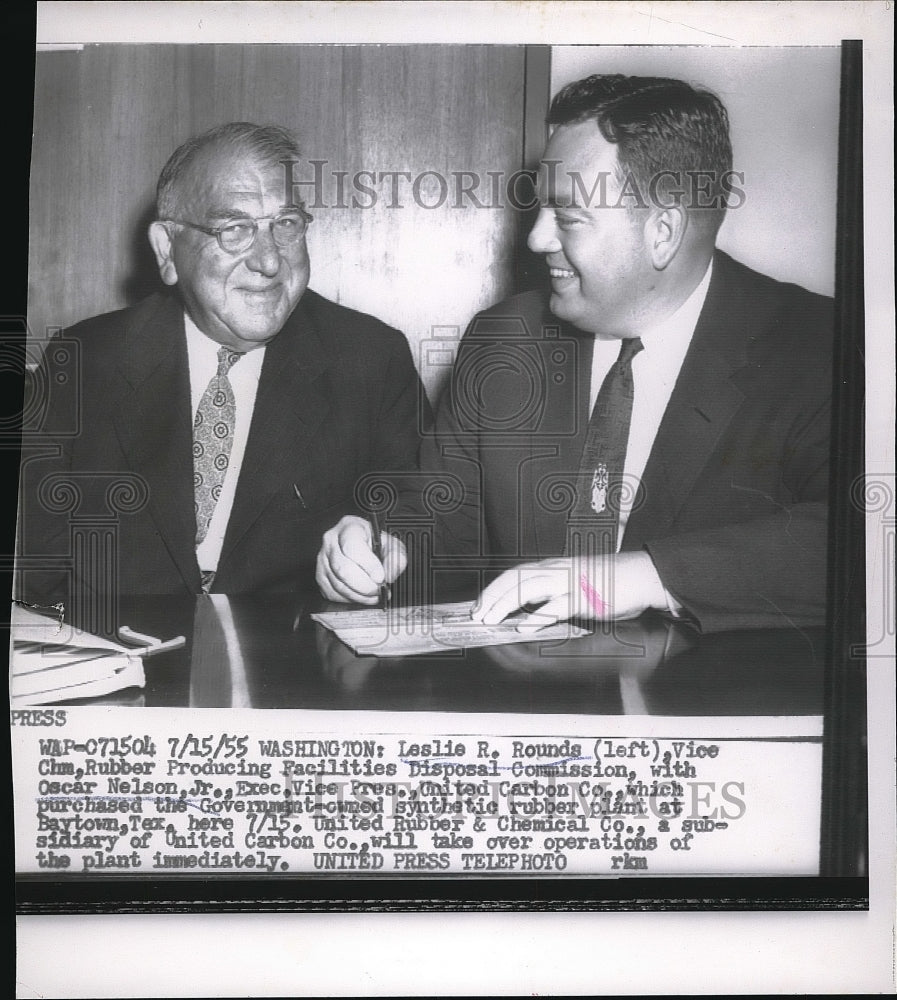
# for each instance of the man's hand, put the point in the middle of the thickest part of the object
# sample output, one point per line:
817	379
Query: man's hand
633	648
620	586
347	569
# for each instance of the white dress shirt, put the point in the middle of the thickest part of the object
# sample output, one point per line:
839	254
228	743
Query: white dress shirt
202	357
654	373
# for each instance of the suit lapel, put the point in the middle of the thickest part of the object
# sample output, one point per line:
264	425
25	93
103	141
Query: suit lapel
290	405
153	424
564	427
701	407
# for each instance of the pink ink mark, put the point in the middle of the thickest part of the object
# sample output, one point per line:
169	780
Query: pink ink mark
594	598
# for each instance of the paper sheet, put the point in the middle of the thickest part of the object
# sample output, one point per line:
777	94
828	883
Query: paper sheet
53	662
430	628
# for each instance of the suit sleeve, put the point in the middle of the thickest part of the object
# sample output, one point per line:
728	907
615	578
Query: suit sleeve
769	571
445	496
404	411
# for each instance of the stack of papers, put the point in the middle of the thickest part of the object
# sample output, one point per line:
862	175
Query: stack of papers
51	661
430	628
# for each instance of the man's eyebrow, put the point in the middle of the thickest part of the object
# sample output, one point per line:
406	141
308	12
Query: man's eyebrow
239	213
222	212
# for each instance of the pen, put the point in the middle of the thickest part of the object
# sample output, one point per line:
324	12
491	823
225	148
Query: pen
150	644
377	547
299	496
163	647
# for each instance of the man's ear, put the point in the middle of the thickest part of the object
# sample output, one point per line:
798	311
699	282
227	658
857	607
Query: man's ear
160	241
665	232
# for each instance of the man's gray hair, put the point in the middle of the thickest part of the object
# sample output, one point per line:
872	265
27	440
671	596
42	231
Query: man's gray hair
269	144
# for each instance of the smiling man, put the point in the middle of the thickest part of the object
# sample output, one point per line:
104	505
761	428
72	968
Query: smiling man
654	432
238	407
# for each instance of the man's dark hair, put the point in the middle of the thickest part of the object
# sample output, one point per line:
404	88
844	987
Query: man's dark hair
657	124
269	144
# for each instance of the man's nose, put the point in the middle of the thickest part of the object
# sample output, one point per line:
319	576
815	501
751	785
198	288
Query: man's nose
543	237
264	254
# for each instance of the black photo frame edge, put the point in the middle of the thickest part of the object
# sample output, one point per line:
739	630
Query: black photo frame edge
843	884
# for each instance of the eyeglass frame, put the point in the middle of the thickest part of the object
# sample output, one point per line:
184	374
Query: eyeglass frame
216	231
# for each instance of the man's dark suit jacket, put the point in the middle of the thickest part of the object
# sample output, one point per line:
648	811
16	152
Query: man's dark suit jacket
338	397
733	507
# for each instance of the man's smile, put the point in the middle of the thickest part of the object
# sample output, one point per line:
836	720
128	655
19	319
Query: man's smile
261	294
562	277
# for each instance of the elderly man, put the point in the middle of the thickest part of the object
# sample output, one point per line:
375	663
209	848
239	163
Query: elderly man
656	433
240	406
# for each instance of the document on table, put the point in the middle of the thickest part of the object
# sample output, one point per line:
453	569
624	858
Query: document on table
430	628
51	661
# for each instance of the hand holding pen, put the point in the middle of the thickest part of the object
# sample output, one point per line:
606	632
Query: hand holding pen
358	561
383	592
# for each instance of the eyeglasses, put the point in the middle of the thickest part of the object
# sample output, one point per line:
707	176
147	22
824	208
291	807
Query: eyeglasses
239	234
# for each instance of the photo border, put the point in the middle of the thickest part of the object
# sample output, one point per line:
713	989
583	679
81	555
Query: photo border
848	634
843	833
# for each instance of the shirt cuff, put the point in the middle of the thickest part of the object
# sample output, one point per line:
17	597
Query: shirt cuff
673	606
658	596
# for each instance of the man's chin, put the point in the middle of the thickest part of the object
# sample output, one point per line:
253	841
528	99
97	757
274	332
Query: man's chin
562	307
574	312
257	338
246	336
257	327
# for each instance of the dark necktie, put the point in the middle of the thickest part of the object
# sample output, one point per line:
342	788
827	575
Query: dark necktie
213	437
599	485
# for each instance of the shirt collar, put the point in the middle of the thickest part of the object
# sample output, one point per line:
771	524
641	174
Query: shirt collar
198	344
202	361
683	321
203	351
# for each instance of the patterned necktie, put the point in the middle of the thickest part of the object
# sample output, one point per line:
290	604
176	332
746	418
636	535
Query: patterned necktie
600	480
213	436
